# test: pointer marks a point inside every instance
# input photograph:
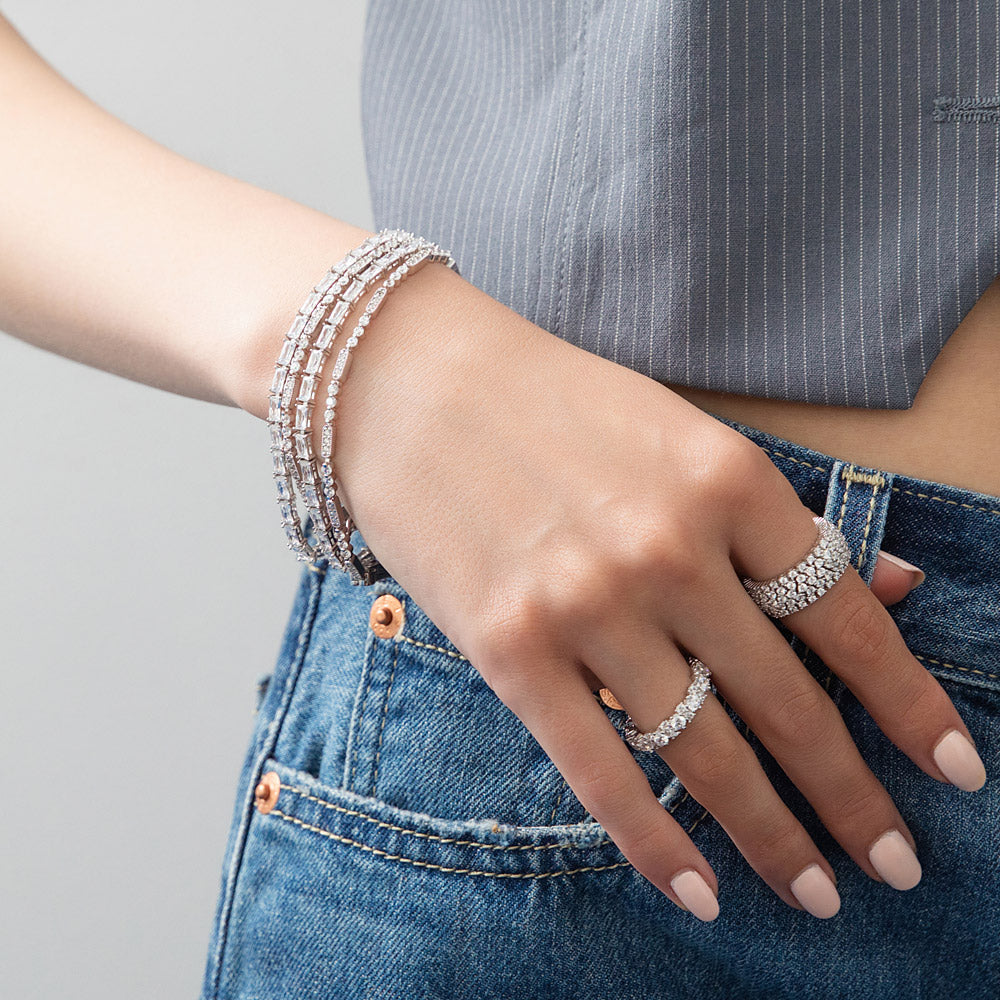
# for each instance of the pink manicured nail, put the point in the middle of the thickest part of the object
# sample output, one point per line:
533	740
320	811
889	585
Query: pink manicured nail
694	893
814	890
918	574
961	765
895	861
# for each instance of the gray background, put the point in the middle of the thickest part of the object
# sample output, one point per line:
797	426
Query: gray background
146	581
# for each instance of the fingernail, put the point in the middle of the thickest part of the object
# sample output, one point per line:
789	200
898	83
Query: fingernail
961	765
893	859
814	890
695	894
918	574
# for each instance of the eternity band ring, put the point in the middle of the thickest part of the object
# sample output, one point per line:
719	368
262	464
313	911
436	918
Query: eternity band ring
807	581
682	715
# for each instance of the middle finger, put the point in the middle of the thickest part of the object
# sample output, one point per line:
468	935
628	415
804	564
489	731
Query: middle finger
761	676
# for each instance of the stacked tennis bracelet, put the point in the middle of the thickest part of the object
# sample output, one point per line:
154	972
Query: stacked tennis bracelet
388	257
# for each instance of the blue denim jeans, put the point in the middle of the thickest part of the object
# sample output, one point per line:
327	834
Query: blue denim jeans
422	845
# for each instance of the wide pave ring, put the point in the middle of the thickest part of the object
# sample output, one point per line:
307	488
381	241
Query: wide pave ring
807	581
669	728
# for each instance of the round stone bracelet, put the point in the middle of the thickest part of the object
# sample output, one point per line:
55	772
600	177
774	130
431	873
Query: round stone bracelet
285	470
353	283
362	566
295	469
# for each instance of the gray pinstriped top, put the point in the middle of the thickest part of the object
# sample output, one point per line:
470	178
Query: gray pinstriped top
796	199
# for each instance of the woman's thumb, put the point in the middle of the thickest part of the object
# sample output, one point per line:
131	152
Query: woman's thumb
894	578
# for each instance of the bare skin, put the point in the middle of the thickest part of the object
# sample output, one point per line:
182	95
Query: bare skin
951	434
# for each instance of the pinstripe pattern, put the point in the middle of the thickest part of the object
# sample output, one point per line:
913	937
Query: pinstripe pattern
779	198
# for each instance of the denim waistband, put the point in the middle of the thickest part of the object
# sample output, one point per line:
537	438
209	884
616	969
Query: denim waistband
952	620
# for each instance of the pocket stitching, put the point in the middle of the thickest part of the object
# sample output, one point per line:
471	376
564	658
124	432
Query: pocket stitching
428	836
444	868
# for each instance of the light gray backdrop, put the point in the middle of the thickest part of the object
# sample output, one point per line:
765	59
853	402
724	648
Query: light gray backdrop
145	580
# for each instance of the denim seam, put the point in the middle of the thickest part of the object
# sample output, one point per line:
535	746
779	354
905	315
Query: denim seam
790	458
876	482
385	712
955	666
443	868
954	503
236	864
361	711
843	504
895	489
359	814
429	645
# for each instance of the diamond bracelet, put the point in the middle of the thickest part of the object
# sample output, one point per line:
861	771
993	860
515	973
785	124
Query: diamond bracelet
293	460
359	277
362	565
284	468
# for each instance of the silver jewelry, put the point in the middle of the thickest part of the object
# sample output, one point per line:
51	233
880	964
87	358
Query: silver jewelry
293	391
362	564
666	731
807	581
356	279
288	474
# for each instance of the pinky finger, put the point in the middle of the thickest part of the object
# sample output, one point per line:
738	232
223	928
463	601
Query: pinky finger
593	758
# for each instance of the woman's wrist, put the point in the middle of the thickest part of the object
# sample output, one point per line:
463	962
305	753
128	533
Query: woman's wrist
272	301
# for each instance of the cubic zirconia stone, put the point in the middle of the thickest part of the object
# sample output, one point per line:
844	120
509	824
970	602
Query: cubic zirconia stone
339	311
307	387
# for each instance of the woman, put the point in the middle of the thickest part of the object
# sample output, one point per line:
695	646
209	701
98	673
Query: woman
567	460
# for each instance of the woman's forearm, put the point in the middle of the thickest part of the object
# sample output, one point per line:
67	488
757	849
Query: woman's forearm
122	254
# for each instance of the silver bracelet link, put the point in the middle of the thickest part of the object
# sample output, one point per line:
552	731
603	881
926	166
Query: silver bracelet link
293	390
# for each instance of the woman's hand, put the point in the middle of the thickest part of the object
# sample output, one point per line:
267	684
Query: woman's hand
570	524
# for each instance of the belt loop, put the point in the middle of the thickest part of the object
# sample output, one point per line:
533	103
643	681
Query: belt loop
857	502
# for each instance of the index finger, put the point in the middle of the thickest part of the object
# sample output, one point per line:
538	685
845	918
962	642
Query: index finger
857	638
855	635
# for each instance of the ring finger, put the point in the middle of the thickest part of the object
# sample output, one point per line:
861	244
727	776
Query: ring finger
721	771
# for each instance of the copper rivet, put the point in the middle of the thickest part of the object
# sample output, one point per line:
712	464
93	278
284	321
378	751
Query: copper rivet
610	700
386	617
266	793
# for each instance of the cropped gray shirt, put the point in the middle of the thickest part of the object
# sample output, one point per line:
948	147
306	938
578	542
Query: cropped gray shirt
795	199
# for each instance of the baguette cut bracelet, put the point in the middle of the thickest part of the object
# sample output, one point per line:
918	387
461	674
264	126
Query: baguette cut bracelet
295	468
361	565
288	474
358	279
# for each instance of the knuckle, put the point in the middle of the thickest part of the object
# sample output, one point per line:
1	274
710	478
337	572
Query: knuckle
782	839
718	764
859	803
737	469
920	699
675	562
599	787
647	847
802	716
863	630
510	642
